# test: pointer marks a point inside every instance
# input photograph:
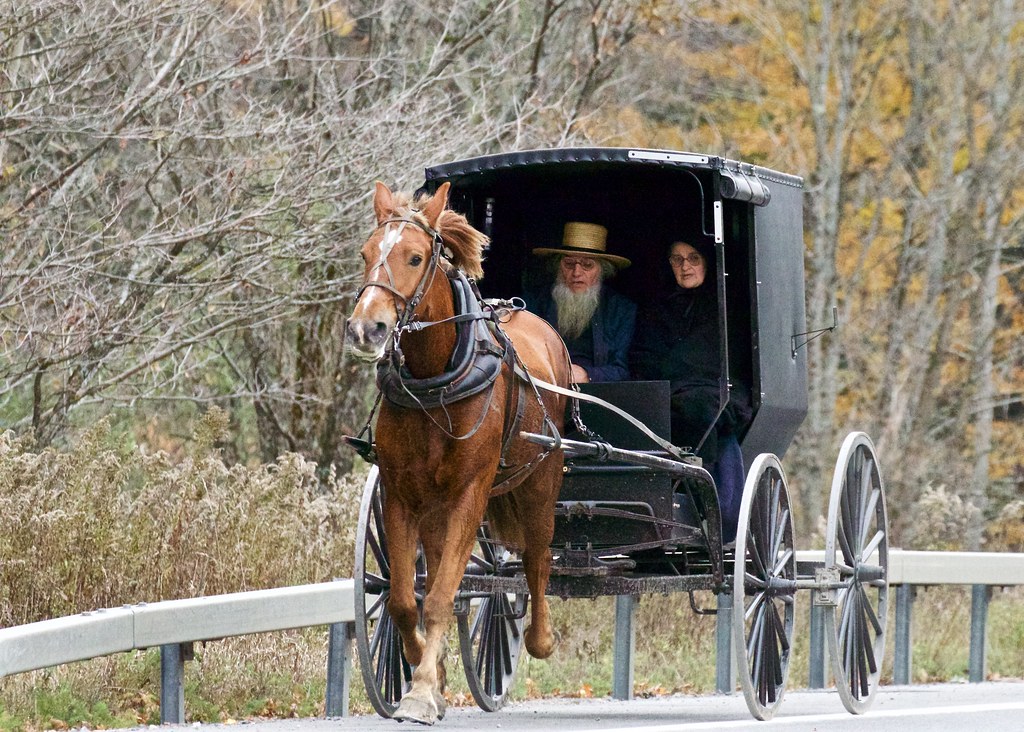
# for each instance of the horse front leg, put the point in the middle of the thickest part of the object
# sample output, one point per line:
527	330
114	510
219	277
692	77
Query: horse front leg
402	538
449	545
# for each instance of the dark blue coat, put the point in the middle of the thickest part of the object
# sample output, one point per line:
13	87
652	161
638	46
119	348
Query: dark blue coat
603	349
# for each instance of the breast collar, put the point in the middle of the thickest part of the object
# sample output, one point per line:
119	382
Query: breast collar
480	351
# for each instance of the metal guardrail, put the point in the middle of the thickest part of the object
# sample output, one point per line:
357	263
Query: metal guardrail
175	625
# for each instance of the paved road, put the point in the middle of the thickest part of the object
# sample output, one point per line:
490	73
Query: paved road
992	707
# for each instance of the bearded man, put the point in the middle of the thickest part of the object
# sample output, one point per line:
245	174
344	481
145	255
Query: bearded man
595	322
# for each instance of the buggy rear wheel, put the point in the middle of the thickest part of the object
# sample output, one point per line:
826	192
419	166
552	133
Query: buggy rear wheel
764	587
491	630
857	555
387	674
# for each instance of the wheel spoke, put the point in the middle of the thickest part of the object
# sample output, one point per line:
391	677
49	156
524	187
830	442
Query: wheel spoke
757	582
844	545
844	623
780	631
376	606
772	675
868	651
872	617
484	618
846	523
863	644
780	566
757	539
756	630
771	525
869	515
780	532
379	554
857	492
379	633
774	679
868	550
755	605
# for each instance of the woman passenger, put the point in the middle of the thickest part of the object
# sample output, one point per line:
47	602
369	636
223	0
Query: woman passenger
677	340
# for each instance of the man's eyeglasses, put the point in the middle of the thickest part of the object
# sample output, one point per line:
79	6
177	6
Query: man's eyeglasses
678	260
587	263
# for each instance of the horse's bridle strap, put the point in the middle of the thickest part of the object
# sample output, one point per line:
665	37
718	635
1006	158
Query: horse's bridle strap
408	304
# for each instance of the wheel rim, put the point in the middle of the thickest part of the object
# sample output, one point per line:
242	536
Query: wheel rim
491	632
857	546
387	674
764	577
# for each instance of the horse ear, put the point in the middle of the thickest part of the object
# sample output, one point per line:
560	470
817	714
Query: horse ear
383	203
432	209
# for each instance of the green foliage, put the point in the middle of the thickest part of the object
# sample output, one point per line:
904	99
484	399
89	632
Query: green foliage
63	705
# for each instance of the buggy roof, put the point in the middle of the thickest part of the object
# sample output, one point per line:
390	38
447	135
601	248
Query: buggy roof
740	181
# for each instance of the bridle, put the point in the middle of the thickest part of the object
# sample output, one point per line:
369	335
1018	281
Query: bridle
391	237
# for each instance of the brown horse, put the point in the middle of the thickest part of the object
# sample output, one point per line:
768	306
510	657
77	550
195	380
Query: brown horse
438	462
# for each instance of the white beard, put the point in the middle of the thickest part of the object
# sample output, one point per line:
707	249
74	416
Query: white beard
575	309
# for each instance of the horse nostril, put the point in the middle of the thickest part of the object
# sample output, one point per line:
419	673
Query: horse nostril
380	330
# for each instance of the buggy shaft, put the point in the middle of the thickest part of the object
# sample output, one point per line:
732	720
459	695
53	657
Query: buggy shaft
605	452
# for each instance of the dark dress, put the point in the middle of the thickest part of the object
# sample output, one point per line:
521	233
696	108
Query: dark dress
677	341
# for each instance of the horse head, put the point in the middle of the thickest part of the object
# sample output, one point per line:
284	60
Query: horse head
400	260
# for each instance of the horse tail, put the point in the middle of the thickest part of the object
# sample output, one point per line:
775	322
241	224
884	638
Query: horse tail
505	522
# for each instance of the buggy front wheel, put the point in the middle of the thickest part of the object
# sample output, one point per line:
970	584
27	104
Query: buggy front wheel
386	673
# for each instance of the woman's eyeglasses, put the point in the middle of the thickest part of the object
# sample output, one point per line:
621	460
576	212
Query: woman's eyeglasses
678	260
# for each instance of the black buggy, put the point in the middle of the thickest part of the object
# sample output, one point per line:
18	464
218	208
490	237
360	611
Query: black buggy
618	529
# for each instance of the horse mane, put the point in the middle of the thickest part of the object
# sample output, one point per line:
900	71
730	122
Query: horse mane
466	243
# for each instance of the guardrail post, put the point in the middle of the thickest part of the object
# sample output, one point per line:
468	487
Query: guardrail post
816	663
902	660
339	666
725	663
172	682
624	644
980	595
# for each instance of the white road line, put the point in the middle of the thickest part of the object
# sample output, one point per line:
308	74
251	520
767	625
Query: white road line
813	718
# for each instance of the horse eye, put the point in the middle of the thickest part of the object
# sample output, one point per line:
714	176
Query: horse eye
416	260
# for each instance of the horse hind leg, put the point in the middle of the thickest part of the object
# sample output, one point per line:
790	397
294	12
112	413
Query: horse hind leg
539	638
538	527
533	537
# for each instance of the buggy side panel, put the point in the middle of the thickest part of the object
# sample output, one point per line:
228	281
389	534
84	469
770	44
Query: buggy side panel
777	313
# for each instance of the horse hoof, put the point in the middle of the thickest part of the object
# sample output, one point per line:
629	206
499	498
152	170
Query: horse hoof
539	645
417	710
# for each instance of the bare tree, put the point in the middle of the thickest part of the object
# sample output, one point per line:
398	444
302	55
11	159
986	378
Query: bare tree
183	185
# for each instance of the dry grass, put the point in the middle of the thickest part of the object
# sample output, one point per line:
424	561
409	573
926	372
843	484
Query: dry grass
103	525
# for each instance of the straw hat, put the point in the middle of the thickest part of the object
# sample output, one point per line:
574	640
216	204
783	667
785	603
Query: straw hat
586	240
